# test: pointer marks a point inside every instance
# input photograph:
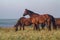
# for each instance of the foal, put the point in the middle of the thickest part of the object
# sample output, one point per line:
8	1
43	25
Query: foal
22	22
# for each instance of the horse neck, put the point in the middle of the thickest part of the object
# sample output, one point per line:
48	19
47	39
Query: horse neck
33	14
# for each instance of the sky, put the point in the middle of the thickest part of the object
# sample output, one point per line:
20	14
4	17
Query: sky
14	9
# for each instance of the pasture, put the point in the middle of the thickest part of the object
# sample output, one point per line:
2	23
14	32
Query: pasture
29	34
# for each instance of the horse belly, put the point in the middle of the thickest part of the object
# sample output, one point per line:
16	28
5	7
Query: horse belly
27	23
35	20
41	20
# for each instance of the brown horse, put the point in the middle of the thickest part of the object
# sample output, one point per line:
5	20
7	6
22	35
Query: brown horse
23	22
58	23
41	19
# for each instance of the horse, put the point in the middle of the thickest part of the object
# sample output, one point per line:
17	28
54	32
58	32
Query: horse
22	22
41	19
34	18
58	23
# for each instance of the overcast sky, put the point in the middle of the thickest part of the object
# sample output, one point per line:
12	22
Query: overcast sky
14	9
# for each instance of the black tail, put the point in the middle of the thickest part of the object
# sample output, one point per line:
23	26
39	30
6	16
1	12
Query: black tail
53	22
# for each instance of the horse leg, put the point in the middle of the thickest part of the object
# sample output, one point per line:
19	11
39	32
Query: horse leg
34	27
54	26
49	24
23	27
16	27
20	27
42	25
37	27
49	27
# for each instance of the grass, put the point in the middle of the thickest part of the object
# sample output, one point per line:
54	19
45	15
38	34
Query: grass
28	34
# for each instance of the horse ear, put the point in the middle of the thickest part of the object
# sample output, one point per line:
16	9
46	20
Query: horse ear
26	9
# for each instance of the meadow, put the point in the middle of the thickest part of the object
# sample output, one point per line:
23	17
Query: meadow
29	34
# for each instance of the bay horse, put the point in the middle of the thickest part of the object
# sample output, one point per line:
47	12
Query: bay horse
22	22
41	19
58	22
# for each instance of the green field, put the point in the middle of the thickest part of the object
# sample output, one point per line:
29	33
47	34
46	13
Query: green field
28	34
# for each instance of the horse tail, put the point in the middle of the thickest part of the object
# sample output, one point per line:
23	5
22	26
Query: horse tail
53	22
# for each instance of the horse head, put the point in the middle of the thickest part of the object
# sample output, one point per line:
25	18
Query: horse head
27	12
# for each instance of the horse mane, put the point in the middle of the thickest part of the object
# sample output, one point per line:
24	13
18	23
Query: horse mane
31	12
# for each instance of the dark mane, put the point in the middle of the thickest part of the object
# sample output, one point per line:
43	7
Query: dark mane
31	12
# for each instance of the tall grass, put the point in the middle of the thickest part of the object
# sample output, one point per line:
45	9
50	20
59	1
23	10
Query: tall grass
28	34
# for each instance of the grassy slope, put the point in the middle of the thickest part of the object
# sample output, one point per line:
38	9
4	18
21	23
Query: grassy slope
28	34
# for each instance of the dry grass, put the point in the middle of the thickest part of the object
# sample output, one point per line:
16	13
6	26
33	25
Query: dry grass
28	34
